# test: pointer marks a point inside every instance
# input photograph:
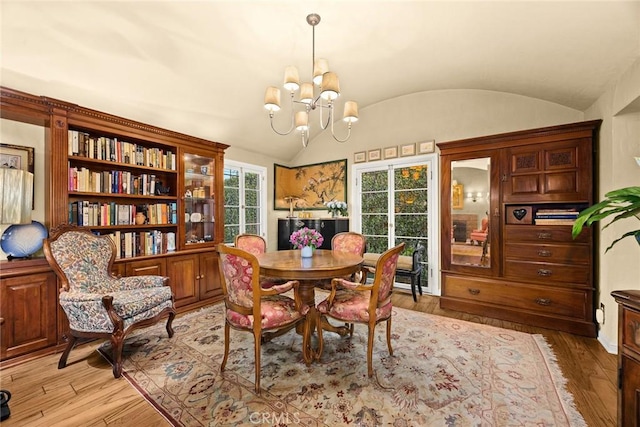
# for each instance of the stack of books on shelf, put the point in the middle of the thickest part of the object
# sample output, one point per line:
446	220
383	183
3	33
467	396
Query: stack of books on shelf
556	216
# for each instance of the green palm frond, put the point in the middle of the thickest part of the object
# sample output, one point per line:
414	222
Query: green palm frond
619	204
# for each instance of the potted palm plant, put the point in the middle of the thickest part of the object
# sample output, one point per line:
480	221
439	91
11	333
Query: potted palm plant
619	204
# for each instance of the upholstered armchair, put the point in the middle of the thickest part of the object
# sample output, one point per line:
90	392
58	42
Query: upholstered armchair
351	242
353	302
245	301
98	304
256	245
479	236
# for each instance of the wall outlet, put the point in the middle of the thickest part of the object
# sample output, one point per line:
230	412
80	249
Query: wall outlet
600	314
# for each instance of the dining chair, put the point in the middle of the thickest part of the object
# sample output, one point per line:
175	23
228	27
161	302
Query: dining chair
369	304
97	303
256	245
351	242
245	300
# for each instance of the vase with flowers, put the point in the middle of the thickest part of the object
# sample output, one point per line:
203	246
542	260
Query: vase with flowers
306	239
336	208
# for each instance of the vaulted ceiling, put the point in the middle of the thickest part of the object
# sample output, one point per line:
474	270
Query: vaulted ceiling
202	67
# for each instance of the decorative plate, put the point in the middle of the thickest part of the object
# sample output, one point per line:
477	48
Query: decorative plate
196	217
23	240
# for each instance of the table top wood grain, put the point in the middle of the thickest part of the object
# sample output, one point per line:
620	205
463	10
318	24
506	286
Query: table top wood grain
324	264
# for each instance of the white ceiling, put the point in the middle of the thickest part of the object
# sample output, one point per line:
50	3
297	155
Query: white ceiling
201	67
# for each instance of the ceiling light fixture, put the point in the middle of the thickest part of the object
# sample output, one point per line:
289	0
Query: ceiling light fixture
329	86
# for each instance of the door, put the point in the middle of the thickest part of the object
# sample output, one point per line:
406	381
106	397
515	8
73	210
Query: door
183	272
210	286
393	203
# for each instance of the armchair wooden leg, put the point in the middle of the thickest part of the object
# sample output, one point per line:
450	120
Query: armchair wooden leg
389	336
321	319
71	341
117	342
372	328
172	315
226	346
257	343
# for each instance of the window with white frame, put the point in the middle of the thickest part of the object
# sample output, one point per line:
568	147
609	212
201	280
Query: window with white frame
245	200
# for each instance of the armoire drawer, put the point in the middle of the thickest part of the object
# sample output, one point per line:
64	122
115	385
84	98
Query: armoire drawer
562	254
542	234
553	301
546	272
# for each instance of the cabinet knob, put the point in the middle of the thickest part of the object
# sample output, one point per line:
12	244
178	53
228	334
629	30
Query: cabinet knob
543	301
544	236
544	273
474	291
1	320
198	277
544	253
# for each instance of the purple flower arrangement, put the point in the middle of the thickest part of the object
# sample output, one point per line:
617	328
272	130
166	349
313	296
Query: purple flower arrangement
306	237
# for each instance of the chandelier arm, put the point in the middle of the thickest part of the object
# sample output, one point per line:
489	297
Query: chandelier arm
324	125
271	114
305	139
338	139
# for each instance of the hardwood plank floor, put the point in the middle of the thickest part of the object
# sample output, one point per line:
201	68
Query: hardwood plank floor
86	394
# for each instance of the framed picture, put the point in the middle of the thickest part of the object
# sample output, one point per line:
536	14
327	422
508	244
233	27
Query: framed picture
457	196
309	187
18	157
359	157
426	147
391	152
375	154
408	150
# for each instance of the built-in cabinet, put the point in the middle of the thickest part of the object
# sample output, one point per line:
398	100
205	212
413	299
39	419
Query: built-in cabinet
156	193
628	357
328	227
508	204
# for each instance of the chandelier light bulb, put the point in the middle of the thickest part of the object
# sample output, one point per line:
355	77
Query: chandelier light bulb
272	99
320	66
350	111
291	78
306	93
302	121
330	86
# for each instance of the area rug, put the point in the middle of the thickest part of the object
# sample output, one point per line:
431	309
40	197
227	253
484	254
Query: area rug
444	372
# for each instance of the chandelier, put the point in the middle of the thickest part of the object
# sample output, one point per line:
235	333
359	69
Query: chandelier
329	91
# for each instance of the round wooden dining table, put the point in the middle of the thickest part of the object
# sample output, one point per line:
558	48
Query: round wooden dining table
323	265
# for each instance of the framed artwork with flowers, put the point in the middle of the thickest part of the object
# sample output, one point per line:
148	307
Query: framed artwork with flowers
309	187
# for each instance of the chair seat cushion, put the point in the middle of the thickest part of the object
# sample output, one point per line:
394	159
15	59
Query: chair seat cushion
405	262
353	306
276	311
87	313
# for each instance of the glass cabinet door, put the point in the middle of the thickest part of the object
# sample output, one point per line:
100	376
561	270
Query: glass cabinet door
199	200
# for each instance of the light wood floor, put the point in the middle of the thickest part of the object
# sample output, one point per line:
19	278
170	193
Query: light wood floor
86	394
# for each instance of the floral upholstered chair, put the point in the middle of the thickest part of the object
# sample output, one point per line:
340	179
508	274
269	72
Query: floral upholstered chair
351	242
251	243
98	304
256	245
353	302
245	301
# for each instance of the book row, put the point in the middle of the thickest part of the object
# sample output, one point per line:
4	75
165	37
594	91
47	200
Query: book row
111	149
90	214
555	216
139	243
114	182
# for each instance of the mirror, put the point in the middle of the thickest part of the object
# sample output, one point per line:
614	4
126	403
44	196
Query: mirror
470	196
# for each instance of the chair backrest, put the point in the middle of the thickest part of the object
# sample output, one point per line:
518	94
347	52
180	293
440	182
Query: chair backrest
251	243
385	274
240	274
349	241
82	260
485	225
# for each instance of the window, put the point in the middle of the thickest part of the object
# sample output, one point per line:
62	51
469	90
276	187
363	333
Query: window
395	201
245	200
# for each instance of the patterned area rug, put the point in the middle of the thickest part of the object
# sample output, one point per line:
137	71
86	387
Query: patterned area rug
444	372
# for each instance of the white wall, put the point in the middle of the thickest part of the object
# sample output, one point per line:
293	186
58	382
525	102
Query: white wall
27	135
619	142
